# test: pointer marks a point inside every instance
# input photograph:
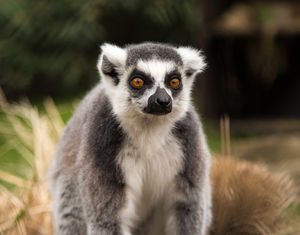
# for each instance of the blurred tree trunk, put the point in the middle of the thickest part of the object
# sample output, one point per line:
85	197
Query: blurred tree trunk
209	91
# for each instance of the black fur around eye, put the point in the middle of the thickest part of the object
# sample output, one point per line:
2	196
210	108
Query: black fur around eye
174	81
139	82
147	80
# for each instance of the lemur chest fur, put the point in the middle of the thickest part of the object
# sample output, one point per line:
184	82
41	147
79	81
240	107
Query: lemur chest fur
149	170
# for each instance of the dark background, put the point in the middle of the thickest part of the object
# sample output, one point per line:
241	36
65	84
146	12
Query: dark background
50	48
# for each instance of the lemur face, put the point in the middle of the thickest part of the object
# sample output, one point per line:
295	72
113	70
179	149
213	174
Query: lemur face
149	79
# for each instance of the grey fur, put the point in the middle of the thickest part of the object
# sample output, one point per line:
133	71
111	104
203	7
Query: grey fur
192	176
147	51
84	168
88	182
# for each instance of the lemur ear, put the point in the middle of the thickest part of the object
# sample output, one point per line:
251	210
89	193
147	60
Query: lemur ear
193	60
111	62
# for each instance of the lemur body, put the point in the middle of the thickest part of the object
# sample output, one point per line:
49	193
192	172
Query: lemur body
133	159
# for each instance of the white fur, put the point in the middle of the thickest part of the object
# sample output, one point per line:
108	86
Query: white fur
115	55
156	69
150	170
192	58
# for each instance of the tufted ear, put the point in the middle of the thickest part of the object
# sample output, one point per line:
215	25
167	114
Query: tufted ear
111	62
193	60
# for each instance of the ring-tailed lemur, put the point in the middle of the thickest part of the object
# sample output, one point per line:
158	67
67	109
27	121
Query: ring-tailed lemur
133	159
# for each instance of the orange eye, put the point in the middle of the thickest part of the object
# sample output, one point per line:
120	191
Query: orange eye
137	82
175	83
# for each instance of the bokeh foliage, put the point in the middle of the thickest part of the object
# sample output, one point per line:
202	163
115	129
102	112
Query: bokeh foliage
50	48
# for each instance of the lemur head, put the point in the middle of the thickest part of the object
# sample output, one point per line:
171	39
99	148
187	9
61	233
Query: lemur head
149	80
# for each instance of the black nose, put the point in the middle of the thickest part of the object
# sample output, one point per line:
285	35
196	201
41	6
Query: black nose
163	101
160	103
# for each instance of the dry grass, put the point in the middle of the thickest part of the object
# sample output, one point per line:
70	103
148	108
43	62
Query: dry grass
26	208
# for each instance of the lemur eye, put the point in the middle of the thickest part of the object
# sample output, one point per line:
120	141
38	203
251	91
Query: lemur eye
175	83
137	82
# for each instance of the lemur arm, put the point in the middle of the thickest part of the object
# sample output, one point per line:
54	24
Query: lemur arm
100	179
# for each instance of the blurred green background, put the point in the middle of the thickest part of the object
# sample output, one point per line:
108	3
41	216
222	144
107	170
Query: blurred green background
50	48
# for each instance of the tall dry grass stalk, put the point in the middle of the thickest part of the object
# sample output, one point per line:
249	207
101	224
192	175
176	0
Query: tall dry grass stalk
26	208
225	135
